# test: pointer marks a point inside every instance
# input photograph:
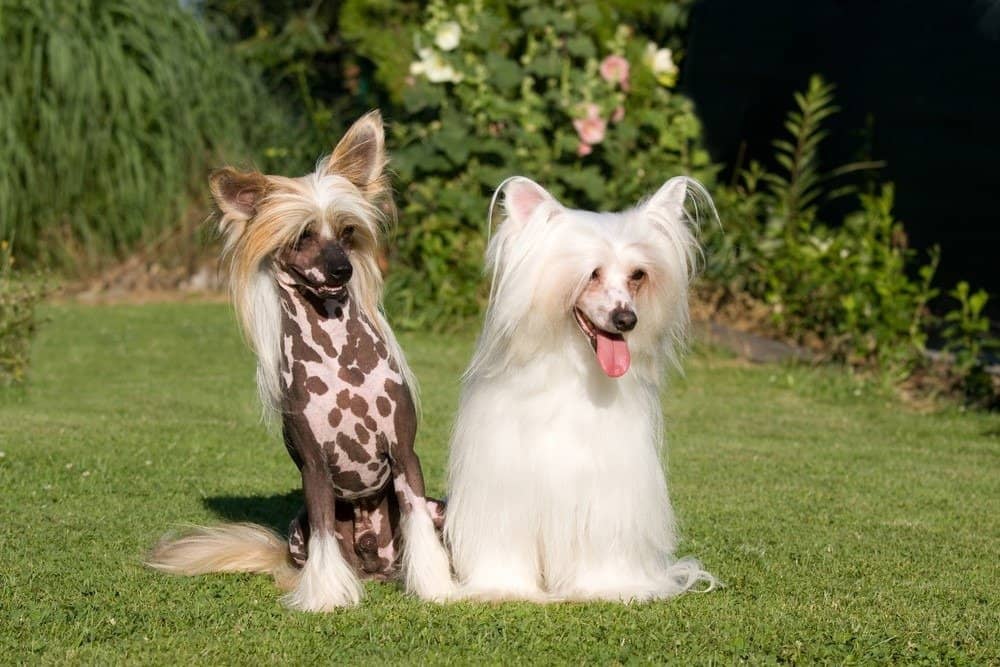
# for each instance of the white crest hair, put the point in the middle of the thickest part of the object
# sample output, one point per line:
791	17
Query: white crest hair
518	254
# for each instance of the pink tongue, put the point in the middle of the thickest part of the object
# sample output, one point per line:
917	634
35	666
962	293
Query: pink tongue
612	353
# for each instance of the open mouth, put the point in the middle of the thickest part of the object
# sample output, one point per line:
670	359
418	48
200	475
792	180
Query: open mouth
330	292
611	348
322	291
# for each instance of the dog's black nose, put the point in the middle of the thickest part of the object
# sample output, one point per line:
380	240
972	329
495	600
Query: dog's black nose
340	273
623	319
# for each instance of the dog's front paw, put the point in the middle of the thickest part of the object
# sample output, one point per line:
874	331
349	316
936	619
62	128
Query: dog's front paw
326	582
310	599
426	571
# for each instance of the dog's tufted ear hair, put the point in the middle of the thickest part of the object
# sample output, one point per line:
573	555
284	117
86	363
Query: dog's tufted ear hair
669	200
237	193
522	198
360	155
668	211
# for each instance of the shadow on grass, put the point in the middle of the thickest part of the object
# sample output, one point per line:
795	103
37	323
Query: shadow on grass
274	511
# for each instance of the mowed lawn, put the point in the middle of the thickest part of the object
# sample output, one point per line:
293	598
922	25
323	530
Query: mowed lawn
847	527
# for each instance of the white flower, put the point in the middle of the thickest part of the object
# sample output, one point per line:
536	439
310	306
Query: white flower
448	35
661	61
433	65
821	244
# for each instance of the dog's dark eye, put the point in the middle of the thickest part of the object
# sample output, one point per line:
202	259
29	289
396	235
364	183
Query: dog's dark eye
303	237
347	233
596	275
638	275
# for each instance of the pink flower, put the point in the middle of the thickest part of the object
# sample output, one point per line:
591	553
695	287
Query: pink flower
591	128
618	114
614	69
584	149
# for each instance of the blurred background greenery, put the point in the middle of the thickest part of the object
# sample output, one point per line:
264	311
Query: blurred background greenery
113	111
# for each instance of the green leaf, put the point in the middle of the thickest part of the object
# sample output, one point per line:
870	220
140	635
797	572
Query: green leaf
581	46
546	65
504	72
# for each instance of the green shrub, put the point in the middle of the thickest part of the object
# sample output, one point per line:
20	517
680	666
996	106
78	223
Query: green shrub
570	94
854	290
967	336
111	113
301	52
19	296
526	71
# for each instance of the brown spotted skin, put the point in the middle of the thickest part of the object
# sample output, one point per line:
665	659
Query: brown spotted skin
349	424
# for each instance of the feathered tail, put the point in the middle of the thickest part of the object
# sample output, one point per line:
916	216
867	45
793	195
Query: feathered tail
234	547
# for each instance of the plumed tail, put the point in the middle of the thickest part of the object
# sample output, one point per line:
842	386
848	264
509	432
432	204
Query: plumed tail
235	547
687	576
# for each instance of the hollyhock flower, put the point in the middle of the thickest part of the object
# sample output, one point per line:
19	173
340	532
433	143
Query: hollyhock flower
618	114
614	69
434	67
584	150
591	128
448	35
661	61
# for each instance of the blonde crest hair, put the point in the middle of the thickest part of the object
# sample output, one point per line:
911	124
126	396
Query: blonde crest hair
261	214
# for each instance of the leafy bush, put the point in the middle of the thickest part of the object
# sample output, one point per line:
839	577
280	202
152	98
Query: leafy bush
112	112
570	94
19	296
303	54
854	291
967	336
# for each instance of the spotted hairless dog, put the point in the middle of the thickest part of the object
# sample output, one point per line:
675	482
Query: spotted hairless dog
349	424
306	285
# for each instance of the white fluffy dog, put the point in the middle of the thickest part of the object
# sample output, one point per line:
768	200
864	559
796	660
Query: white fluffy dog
557	490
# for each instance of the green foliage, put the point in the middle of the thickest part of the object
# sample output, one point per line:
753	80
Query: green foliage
797	188
19	297
381	31
855	289
297	48
967	328
495	90
501	100
111	114
967	336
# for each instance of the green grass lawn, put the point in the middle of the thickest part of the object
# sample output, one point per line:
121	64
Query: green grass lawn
847	527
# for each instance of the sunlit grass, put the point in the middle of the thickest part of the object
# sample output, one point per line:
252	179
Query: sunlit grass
847	527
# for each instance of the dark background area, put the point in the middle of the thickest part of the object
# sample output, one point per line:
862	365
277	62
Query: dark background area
918	85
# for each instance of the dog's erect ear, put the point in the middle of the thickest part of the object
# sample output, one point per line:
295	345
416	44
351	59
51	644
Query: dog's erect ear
237	193
522	198
669	199
360	155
